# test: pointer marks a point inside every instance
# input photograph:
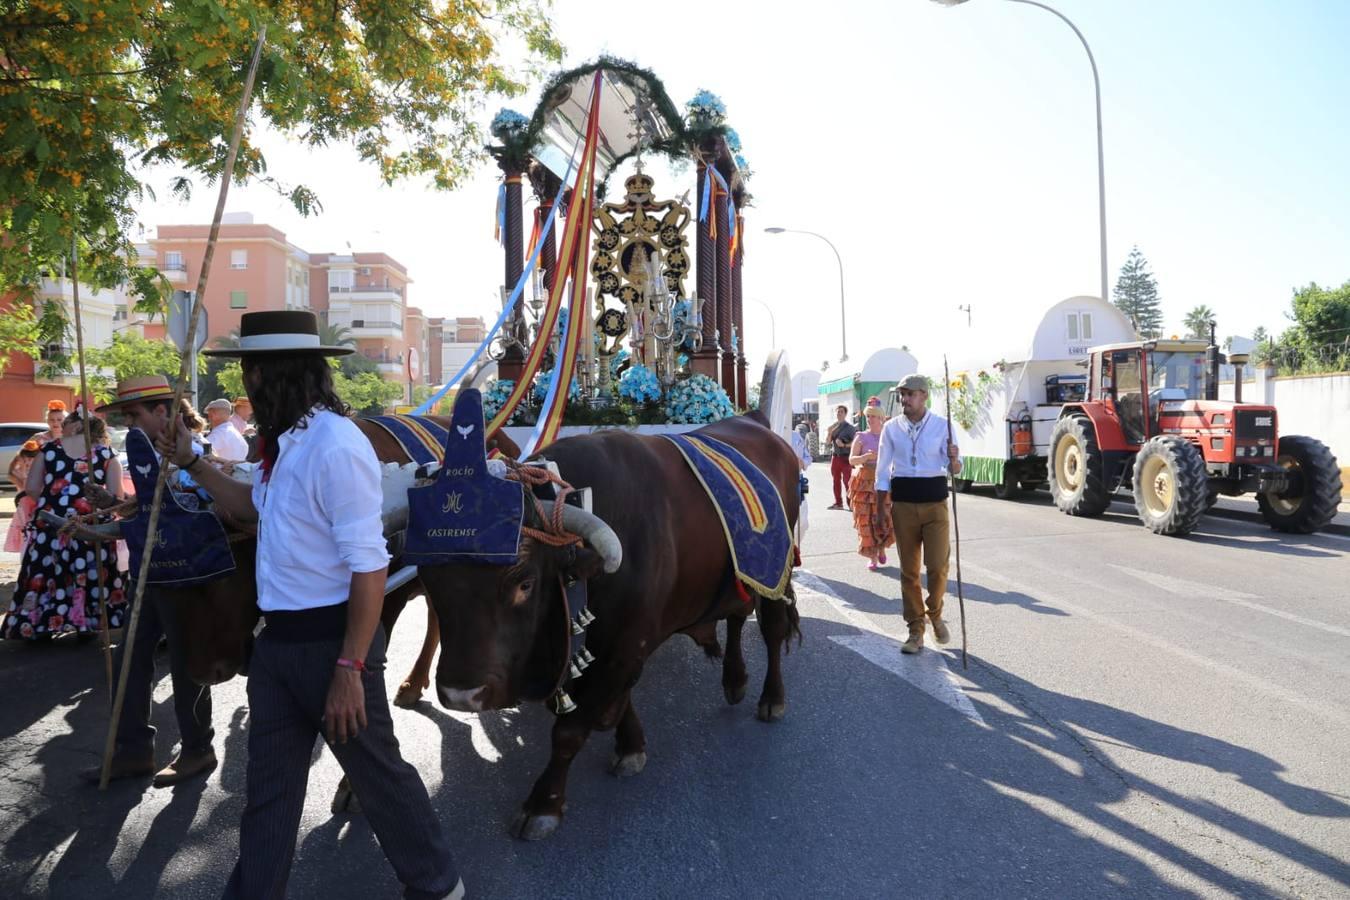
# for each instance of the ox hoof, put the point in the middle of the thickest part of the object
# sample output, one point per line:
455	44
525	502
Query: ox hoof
734	694
344	800
535	828
627	766
771	712
408	696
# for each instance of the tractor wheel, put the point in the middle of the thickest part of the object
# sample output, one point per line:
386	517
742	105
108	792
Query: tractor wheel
1075	468
1316	504
1171	486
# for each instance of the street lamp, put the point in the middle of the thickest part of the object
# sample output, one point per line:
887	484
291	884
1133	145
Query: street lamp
843	332
773	323
1097	88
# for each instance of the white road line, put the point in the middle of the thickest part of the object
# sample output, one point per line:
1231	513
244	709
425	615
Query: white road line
1184	588
927	671
992	578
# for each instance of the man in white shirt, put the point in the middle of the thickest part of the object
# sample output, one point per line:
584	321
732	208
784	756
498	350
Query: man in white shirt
226	441
318	664
913	461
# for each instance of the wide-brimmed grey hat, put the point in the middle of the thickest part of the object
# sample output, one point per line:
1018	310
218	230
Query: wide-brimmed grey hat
914	383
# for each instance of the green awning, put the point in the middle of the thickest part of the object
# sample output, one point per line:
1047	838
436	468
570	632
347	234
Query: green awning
839	384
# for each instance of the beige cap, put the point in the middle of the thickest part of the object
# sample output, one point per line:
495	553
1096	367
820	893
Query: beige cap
914	383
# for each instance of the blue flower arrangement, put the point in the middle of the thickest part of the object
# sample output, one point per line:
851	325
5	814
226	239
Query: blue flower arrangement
541	385
697	401
615	361
733	140
508	125
497	393
640	385
705	110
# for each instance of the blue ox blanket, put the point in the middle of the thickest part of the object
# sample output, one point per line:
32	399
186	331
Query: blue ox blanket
750	508
190	545
422	439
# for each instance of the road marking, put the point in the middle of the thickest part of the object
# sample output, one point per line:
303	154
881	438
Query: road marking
927	671
1184	588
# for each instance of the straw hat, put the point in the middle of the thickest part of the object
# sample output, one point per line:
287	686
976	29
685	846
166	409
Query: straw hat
279	333
139	390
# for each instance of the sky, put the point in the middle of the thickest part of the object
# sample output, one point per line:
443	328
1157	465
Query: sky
948	153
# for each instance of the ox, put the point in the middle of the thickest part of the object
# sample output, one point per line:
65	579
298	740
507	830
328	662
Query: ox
498	623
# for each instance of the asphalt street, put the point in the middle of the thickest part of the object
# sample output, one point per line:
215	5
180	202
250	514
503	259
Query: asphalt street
1141	716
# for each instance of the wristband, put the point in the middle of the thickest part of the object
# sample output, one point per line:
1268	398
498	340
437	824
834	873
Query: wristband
358	665
195	459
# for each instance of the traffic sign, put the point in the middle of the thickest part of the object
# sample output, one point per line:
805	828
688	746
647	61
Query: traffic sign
414	364
180	309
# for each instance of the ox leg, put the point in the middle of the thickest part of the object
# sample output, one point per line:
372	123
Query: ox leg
734	677
419	679
630	743
777	622
542	813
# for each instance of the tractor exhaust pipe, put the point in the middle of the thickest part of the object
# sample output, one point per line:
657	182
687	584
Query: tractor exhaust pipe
1212	363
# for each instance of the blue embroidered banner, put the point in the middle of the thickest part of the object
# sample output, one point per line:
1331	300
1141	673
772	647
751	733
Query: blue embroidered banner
465	514
750	508
422	439
190	545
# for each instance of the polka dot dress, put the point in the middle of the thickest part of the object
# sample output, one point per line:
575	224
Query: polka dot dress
58	590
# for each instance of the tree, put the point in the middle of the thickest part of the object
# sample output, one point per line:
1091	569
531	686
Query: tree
19	332
1319	340
367	393
94	94
130	356
1136	295
1197	322
336	335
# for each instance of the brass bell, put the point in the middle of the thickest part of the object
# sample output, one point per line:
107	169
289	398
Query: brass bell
578	661
562	704
586	655
577	627
586	616
573	670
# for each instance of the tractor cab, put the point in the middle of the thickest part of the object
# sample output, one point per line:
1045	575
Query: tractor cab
1136	382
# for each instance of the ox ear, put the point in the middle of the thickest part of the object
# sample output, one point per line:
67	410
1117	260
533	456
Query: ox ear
585	564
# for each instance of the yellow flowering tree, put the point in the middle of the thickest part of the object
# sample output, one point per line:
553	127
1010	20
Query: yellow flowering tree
92	92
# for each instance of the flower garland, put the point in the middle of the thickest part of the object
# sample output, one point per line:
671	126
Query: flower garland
697	401
640	385
541	386
498	392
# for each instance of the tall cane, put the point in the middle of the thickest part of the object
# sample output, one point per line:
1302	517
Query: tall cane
226	174
956	521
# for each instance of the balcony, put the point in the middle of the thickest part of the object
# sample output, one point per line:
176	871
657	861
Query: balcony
367	328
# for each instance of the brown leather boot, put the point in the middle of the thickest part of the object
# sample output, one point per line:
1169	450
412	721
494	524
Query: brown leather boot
188	764
131	765
915	642
941	631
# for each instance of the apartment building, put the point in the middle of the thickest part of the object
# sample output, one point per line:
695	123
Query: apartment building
364	293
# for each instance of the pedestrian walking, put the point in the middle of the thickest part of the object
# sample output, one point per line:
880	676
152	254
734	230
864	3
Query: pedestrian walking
913	461
802	447
225	440
146	403
875	532
56	419
840	438
58	588
318	664
24	505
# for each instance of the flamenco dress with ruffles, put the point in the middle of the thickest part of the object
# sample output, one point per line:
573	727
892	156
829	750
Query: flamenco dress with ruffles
862	497
58	589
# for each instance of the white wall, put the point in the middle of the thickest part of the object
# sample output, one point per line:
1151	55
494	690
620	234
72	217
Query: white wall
1314	405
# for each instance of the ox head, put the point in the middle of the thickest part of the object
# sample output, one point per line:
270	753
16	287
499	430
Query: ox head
505	628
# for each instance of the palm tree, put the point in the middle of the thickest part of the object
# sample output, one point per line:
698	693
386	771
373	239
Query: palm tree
228	341
336	335
1197	321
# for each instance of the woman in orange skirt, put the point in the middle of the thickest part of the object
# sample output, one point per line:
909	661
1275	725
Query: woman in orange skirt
873	538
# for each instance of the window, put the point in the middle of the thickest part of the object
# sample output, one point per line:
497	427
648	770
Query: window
1073	326
1078	326
238	259
238	299
340	280
173	261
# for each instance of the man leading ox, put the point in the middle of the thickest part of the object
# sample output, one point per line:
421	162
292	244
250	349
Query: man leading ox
318	665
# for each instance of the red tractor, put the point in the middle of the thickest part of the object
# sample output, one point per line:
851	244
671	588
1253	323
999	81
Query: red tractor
1152	422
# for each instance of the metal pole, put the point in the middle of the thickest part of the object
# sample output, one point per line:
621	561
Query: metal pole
1101	156
956	522
843	329
773	322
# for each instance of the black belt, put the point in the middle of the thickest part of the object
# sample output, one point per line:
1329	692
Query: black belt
317	624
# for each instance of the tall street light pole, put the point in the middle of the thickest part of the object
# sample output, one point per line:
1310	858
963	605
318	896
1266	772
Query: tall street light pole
1097	88
843	331
773	323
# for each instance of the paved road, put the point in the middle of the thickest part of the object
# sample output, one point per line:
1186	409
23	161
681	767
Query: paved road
1141	716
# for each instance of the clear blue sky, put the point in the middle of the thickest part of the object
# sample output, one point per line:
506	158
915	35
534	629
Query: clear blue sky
950	155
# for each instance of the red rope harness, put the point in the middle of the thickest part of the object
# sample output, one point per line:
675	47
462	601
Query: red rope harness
529	476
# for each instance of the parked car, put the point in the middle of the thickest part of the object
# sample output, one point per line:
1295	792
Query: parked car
12	437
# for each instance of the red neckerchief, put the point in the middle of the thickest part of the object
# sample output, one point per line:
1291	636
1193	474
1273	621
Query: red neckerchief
269	457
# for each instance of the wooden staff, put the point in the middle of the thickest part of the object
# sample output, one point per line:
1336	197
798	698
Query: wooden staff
226	175
89	449
956	522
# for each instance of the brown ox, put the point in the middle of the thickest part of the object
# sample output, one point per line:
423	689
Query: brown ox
499	624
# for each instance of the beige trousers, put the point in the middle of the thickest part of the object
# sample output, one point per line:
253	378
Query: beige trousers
921	532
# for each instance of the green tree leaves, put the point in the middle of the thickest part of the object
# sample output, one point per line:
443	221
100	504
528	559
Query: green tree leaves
1197	322
1136	295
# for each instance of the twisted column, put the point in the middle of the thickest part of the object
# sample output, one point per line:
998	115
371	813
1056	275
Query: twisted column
705	360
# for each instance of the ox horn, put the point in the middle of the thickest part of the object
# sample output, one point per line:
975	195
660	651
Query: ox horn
107	531
593	530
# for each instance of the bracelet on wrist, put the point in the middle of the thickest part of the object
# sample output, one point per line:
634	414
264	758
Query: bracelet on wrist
356	665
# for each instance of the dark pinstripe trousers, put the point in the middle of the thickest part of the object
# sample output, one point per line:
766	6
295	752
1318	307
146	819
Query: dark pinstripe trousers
287	688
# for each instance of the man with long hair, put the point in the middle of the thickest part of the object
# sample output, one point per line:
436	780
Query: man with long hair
318	665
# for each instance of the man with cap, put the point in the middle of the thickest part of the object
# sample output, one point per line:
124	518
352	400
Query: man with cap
914	459
318	664
226	441
145	404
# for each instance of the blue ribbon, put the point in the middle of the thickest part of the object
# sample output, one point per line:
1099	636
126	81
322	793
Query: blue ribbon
705	202
501	213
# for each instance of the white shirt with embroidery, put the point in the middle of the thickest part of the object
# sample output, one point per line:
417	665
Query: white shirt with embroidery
318	515
912	449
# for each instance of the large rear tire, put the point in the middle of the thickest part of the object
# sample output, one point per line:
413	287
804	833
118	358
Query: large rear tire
1008	488
1075	468
1171	486
1316	504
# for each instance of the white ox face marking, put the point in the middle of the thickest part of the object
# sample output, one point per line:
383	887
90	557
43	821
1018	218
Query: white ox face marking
470	700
